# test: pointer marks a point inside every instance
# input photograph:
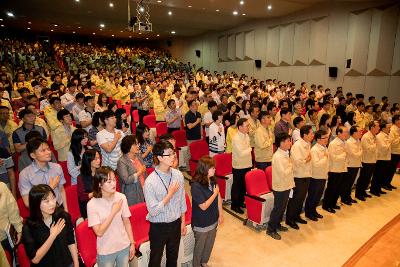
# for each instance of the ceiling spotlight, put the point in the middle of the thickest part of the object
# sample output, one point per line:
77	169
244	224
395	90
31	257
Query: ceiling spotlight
1	19
189	6
28	28
269	7
77	1
235	13
158	35
111	4
121	31
101	29
159	1
55	25
140	33
79	27
102	25
94	33
73	32
147	38
130	36
217	10
244	14
29	22
52	30
10	14
112	35
2	25
141	9
173	32
170	13
241	2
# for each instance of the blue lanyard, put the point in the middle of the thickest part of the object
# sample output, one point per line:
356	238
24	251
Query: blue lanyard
166	187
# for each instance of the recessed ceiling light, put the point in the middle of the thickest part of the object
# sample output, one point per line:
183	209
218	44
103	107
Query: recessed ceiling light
173	32
102	25
269	7
101	29
111	4
94	33
55	25
52	30
28	28
1	19
147	38
158	35
235	12
29	22
112	35
217	10
159	1
73	32
130	36
140	33
189	6
241	2
79	27
170	13
77	1
121	31
10	14
244	14
2	25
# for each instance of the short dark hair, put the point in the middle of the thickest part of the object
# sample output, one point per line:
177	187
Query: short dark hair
281	137
166	137
319	134
87	98
371	124
25	112
54	99
62	113
339	129
4	107
263	114
34	144
127	143
190	102
284	111
360	104
305	129
216	114
96	119
353	129
107	114
158	150
240	122
212	104
170	101
395	118
297	120
79	96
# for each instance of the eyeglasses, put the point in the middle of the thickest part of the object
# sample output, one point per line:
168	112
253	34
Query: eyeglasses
169	155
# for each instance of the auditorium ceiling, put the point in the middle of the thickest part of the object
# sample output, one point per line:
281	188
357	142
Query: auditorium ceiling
169	17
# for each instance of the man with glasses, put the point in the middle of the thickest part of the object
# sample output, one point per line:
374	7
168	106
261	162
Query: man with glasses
165	200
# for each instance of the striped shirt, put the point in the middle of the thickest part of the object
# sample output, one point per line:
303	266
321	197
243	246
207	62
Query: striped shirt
156	188
109	159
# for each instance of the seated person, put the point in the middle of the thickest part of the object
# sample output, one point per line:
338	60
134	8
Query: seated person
42	171
48	234
7	174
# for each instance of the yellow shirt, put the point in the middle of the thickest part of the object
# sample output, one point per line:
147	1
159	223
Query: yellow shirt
7	104
232	131
203	108
263	144
62	141
51	117
9	128
9	213
160	108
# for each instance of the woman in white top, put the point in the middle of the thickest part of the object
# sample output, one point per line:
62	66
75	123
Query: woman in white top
101	104
79	140
216	135
108	215
244	112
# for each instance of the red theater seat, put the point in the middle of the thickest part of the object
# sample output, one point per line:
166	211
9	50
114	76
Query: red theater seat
223	172
197	150
86	241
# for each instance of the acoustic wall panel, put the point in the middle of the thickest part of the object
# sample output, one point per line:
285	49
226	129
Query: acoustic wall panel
239	46
358	42
396	53
376	86
319	29
301	41
273	46
286	38
223	47
249	45
382	40
316	74
299	75
231	47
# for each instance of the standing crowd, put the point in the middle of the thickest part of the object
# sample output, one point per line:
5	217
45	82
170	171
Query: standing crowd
78	123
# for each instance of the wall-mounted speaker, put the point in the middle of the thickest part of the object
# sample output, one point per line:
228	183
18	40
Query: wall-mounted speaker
198	53
258	63
333	72
348	64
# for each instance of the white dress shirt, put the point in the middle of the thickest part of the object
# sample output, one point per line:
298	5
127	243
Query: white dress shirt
383	144
319	161
299	153
368	142
337	156
354	152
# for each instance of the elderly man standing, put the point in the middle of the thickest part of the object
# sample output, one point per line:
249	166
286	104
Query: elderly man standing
368	143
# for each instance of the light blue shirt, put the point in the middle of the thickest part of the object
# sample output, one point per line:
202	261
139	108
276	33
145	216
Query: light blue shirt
156	188
33	175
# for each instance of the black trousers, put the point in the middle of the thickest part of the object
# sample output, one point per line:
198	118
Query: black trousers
392	168
314	195
142	113
262	165
280	202
380	175
171	130
333	189
366	172
295	205
161	235
238	187
348	183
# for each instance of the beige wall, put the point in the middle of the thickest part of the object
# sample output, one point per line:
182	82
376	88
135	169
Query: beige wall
301	47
